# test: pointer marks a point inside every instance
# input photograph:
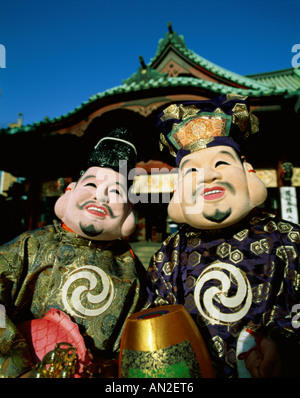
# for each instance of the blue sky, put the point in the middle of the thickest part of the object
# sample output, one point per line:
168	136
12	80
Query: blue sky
61	52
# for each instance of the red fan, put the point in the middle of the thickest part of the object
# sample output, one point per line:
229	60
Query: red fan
42	335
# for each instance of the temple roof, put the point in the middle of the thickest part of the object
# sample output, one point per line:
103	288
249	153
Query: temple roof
192	72
288	79
174	41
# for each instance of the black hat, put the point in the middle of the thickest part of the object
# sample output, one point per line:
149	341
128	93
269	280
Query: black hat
115	151
194	125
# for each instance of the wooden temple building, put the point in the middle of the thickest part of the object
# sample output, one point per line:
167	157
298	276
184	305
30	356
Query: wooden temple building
49	153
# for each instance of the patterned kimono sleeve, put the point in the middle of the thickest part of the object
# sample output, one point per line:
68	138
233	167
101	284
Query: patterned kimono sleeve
283	321
14	355
164	280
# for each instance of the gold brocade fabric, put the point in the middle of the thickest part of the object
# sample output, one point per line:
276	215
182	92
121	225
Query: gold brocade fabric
179	112
97	283
202	127
192	129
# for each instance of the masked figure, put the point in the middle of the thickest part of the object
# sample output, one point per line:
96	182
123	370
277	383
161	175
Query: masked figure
234	268
79	265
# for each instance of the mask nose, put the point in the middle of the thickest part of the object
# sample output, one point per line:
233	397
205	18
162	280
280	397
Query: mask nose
101	194
211	174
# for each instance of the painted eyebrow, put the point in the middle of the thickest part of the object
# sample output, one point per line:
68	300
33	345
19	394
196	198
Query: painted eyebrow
184	163
85	178
93	176
121	185
189	170
229	154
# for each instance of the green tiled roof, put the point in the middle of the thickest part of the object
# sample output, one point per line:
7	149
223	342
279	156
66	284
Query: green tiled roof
151	83
274	83
177	41
285	79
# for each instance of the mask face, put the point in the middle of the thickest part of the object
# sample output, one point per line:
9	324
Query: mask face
215	189
96	207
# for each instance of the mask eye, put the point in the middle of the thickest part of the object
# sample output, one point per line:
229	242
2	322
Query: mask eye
116	196
115	191
191	170
221	163
90	184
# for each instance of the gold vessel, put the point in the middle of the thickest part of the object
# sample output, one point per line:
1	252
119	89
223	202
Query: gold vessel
163	342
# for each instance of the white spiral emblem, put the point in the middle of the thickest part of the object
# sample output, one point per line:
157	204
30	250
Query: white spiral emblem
236	305
77	295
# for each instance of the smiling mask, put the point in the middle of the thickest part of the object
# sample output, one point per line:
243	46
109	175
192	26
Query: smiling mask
216	187
96	207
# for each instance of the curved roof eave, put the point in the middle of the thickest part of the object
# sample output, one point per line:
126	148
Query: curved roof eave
143	86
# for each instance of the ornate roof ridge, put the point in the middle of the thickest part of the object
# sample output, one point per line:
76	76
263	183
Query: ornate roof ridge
178	42
286	71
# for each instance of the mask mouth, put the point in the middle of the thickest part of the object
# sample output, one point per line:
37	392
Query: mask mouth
213	193
98	211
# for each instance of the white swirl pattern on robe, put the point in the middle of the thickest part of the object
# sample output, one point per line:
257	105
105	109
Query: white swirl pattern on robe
239	304
74	305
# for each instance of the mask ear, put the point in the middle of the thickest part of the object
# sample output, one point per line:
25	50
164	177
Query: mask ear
257	189
128	225
62	203
175	210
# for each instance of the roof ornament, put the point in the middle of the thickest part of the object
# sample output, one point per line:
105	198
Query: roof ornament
170	27
144	74
144	66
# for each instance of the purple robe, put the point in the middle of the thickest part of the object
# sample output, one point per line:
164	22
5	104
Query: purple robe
242	276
